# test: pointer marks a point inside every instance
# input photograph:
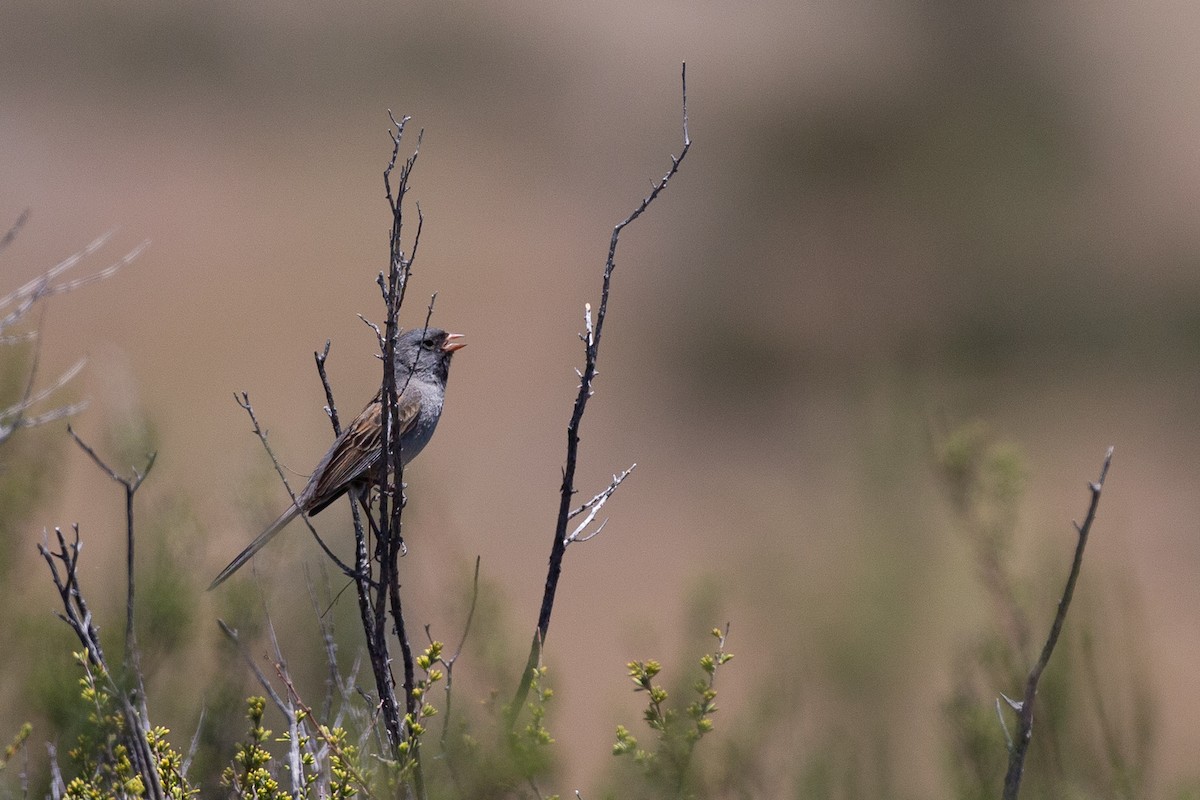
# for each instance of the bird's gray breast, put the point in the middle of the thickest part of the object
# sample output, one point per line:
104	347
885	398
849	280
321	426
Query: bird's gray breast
415	439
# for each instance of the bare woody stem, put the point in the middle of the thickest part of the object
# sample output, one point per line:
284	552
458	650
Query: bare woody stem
380	597
386	552
1024	708
373	631
130	485
567	491
64	564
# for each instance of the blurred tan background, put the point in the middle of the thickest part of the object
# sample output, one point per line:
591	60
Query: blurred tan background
895	218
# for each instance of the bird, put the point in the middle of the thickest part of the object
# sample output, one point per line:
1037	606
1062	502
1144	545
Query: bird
421	366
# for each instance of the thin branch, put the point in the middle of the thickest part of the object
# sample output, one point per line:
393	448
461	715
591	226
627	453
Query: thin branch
66	580
232	635
137	719
296	729
62	380
391	539
58	788
76	614
26	296
27	398
1024	709
130	485
18	338
332	679
194	747
14	230
1003	723
244	402
373	326
593	506
375	588
39	283
53	415
17	413
22	300
362	578
323	732
330	406
591	340
448	663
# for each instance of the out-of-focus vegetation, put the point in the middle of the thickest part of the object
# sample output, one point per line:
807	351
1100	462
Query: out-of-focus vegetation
892	220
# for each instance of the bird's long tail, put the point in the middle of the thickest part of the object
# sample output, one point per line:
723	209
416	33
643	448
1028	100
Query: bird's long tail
255	546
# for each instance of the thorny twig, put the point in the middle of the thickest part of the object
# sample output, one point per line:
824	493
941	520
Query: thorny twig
1024	707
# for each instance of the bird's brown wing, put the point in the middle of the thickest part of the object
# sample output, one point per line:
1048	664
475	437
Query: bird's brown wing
355	452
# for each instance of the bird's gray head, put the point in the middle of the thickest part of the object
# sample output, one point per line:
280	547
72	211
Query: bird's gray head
426	351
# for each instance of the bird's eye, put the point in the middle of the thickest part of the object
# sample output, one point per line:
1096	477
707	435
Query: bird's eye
428	343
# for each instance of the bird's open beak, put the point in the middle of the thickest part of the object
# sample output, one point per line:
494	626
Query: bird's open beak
450	345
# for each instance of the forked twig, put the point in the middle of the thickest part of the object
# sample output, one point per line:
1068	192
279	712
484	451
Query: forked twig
130	485
592	508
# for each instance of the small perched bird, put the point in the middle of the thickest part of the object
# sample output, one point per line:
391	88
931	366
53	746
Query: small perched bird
421	367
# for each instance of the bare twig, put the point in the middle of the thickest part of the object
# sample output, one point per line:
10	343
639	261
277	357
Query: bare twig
7	239
390	544
330	406
16	416
26	296
232	635
137	719
194	747
18	338
593	506
62	380
324	733
1024	708
58	788
591	339
448	663
64	565
75	610
344	687
244	402
20	302
376	578
373	326
130	485
296	729
332	679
